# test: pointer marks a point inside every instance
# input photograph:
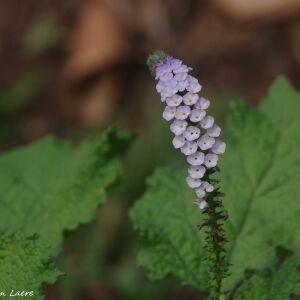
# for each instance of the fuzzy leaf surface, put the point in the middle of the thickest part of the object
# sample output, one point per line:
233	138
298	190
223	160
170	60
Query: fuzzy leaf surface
24	266
52	186
276	283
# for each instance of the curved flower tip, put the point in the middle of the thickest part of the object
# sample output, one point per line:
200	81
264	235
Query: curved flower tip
153	59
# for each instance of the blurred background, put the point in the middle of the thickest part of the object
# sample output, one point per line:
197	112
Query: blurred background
73	67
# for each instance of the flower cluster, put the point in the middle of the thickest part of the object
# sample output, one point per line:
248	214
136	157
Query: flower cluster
196	134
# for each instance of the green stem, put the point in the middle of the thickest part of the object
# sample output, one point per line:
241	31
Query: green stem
215	214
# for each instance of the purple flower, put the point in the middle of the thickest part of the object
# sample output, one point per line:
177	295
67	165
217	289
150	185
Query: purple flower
169	113
207	186
196	159
190	98
197	171
182	112
174	100
219	147
207	122
178	141
202	103
192	133
189	148
205	142
178	127
194	87
197	115
214	131
211	160
200	193
192	182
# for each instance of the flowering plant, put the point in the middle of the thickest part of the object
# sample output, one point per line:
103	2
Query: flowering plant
197	136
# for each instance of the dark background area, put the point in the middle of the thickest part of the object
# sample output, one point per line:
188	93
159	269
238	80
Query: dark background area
73	67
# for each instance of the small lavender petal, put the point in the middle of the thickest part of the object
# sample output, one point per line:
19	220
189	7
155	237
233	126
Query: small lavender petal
181	69
192	133
214	131
169	113
197	171
205	142
166	76
207	186
202	204
207	122
202	103
211	160
181	76
174	63
200	193
197	115
194	87
182	112
161	69
178	127
189	148
196	159
192	79
193	183
160	86
190	98
182	85
178	141
219	147
174	100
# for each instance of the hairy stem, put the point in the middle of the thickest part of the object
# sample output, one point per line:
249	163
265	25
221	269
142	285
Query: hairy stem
215	214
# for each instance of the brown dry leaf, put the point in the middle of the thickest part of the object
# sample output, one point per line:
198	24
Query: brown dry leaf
95	105
98	104
99	40
271	9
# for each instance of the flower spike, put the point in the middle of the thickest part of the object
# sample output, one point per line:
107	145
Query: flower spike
197	136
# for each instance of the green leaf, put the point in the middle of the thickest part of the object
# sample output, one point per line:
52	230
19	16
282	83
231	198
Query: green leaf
24	266
276	283
166	220
51	186
260	174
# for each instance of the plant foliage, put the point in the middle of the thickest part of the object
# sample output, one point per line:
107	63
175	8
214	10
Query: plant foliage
50	187
259	175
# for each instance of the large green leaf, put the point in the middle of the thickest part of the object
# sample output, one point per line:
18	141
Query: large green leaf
259	174
51	186
281	282
24	266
